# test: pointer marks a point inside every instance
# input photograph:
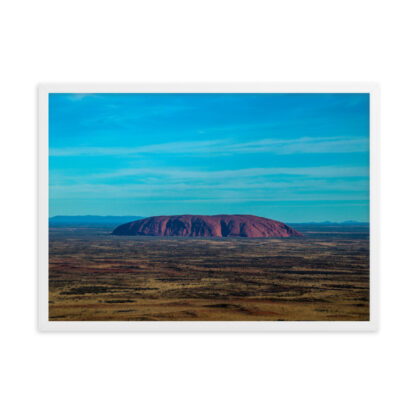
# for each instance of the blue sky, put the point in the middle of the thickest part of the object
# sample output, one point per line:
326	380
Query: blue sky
290	157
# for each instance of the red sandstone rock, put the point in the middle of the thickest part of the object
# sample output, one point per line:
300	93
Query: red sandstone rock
207	226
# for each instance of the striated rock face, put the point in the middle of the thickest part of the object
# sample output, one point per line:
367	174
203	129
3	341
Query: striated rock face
207	226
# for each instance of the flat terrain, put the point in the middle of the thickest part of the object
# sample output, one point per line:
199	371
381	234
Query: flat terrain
96	276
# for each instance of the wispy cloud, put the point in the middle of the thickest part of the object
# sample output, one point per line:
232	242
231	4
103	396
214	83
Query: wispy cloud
171	147
303	145
316	172
180	192
243	184
228	146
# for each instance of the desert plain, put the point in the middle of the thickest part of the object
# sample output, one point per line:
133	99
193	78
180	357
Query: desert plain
97	276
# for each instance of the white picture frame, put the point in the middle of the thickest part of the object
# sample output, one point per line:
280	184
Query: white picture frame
43	153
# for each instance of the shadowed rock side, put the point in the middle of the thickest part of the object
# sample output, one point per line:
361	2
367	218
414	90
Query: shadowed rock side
207	226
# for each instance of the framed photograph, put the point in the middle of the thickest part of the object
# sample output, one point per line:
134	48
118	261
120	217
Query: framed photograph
196	207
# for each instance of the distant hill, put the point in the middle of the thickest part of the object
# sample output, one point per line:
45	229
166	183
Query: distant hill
89	220
207	226
331	223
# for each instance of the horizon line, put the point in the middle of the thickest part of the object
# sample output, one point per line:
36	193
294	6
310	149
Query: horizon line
209	215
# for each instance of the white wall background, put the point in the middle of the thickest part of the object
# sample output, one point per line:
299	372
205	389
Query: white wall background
206	374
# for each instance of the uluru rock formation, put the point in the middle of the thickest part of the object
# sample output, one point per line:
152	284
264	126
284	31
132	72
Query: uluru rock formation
207	226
